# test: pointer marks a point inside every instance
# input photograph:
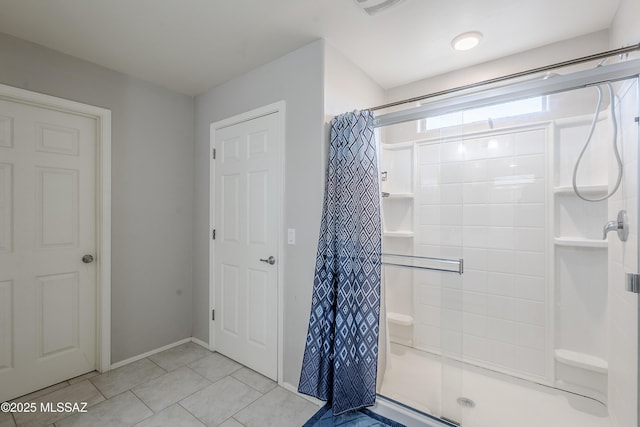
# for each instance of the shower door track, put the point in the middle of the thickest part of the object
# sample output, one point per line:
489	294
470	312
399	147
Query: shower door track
601	55
487	95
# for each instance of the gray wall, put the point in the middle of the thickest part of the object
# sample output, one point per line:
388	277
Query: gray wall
152	189
297	79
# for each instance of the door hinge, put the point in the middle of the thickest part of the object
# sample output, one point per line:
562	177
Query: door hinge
213	234
213	315
633	283
213	155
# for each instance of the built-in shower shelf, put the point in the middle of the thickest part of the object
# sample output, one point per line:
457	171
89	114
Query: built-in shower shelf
405	234
578	242
586	190
582	360
400	319
398	196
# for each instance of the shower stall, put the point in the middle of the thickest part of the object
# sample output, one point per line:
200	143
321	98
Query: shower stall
507	295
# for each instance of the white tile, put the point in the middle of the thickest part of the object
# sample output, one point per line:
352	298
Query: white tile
451	173
475	171
530	165
181	355
430	214
451	152
122	410
476	192
451	215
500	215
170	388
530	312
430	175
475	237
451	194
277	408
530	215
219	401
531	361
429	154
500	238
530	263
500	307
500	283
502	330
475	215
528	287
531	192
174	415
501	261
475	324
530	142
475	258
474	280
530	239
474	303
501	168
531	336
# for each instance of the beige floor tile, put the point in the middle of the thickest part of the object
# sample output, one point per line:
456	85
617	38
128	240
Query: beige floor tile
84	377
179	356
83	391
170	388
41	392
231	422
174	415
6	420
122	410
254	380
221	400
126	377
278	408
215	366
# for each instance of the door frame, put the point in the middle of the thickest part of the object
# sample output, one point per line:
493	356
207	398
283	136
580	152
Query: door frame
275	108
102	117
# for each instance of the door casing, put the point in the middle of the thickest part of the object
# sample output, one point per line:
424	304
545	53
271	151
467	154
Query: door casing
103	201
280	109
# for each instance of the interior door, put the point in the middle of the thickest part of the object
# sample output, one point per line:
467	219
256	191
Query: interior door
248	186
47	226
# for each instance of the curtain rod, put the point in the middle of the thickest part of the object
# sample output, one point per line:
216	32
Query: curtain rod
601	55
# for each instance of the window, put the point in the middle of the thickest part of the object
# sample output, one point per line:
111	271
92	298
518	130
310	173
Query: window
475	115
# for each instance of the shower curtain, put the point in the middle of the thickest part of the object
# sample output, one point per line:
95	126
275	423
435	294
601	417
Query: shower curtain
341	353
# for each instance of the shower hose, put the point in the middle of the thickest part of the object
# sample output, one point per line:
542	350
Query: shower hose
616	152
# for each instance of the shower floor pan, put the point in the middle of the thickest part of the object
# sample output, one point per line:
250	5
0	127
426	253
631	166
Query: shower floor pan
414	378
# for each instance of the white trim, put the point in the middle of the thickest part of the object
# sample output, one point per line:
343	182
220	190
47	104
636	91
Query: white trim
200	343
103	204
279	108
150	353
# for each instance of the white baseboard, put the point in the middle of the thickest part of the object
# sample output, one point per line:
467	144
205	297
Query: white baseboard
200	343
151	353
294	390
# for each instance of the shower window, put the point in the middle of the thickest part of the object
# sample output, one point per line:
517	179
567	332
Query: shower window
483	114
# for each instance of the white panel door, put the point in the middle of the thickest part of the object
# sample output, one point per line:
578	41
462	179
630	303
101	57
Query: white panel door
47	225
248	188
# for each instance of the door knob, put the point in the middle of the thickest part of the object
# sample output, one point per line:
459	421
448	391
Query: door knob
87	259
271	260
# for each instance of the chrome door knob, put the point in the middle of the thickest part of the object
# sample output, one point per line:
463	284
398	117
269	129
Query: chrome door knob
87	259
271	260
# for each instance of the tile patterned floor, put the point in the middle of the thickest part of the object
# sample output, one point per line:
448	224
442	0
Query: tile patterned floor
184	386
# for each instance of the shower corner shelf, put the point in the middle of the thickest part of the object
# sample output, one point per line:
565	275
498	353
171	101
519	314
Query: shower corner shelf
399	196
405	234
582	360
580	242
586	189
400	319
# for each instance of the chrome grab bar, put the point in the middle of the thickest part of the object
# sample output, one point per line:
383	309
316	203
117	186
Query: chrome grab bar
458	264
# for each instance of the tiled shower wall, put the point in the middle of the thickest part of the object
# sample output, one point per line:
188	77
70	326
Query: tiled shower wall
500	305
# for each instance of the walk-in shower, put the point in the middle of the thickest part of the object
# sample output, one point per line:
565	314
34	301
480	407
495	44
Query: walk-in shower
504	304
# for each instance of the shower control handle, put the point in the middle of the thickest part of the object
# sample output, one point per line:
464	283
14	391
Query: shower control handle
621	225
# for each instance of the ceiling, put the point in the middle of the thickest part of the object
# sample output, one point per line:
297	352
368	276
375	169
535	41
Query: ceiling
193	45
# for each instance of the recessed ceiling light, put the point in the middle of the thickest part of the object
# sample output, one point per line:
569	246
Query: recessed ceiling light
466	41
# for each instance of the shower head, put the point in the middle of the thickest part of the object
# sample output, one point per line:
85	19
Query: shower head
374	6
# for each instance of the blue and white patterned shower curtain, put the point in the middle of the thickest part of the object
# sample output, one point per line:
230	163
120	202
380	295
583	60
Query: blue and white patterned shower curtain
340	358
